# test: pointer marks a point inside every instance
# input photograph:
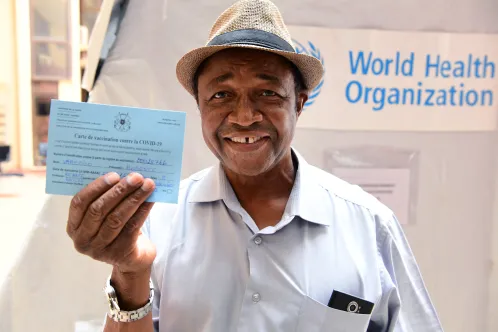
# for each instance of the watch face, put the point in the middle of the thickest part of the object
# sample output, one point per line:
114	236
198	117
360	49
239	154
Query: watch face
110	293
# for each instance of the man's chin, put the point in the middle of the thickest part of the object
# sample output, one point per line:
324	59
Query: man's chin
247	168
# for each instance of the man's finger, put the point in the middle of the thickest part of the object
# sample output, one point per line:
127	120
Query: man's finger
126	241
82	200
102	206
131	210
136	222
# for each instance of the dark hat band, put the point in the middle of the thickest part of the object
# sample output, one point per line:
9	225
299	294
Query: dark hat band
252	37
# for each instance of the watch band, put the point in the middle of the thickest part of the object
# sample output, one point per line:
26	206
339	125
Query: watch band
122	316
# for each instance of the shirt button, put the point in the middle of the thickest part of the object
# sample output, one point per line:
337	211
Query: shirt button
258	240
256	297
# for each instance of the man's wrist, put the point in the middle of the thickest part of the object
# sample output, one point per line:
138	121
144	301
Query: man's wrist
132	289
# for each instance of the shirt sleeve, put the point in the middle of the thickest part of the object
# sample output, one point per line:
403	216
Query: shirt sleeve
157	290
405	305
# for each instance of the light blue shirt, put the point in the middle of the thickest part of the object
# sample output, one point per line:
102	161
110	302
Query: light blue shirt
216	271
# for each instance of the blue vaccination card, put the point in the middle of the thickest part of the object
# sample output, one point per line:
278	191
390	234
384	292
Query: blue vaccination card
87	140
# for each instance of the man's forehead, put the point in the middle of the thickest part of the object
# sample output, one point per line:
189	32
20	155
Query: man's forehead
248	59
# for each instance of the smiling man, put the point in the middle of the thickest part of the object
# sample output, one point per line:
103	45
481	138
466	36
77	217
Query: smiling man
262	241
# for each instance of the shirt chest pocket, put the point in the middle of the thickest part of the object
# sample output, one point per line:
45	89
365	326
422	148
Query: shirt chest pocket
316	317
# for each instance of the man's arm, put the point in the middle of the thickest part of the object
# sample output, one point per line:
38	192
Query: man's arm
105	221
405	305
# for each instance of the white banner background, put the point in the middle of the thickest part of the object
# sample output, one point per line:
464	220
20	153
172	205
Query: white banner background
343	102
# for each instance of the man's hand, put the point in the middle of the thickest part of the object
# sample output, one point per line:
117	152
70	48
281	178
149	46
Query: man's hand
105	220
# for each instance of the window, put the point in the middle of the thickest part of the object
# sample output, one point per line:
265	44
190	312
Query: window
43	92
50	40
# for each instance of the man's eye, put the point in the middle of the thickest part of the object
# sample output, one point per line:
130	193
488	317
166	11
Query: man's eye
219	95
269	93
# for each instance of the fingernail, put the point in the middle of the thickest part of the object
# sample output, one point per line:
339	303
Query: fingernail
148	184
111	178
134	178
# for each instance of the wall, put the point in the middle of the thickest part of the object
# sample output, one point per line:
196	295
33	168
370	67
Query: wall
493	280
23	39
8	81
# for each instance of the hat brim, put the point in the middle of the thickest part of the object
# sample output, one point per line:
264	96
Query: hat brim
310	67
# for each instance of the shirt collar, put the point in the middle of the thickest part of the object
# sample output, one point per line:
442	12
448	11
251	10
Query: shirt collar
308	199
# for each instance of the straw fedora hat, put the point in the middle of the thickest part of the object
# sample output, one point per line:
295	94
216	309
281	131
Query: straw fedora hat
255	24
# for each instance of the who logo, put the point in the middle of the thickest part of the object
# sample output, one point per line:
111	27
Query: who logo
311	49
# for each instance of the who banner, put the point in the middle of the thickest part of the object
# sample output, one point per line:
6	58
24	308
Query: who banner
401	81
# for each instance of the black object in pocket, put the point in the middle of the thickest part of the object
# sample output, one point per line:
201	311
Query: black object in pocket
350	303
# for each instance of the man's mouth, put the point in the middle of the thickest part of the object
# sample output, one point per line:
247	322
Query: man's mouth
246	139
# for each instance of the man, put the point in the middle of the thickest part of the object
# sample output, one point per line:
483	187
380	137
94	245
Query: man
263	240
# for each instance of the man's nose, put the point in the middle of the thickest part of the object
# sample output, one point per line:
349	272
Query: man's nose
245	113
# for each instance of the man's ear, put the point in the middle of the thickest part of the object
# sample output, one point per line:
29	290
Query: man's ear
302	97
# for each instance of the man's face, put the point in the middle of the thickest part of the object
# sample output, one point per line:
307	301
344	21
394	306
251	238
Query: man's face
249	108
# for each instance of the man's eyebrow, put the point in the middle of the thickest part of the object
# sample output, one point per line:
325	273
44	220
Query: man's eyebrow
225	77
220	79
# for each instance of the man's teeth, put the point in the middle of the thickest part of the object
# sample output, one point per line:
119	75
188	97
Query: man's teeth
245	140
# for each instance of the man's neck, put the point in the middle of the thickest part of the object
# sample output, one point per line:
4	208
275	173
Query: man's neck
275	184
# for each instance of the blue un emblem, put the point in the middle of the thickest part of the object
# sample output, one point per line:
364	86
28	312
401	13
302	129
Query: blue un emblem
312	50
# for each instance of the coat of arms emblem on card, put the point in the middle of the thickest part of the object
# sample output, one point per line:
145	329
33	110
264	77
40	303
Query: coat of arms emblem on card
122	122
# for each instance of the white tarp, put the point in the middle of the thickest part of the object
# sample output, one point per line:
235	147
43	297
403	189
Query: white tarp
401	81
53	287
